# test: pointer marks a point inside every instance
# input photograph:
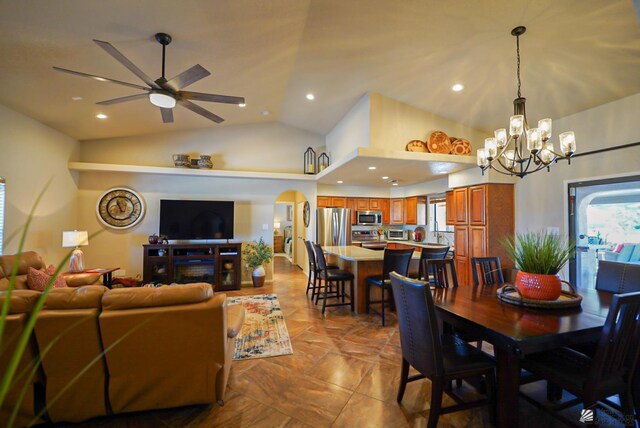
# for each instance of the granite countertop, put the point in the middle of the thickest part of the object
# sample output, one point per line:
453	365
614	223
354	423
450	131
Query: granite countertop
355	254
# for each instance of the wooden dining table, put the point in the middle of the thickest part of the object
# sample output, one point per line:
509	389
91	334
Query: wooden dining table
516	331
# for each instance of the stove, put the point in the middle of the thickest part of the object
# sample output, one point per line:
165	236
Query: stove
369	239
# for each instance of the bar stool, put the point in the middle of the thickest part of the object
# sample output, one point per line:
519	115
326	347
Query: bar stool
490	270
443	271
394	261
430	253
313	269
330	277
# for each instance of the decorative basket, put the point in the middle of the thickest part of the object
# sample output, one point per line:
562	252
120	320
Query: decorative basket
567	299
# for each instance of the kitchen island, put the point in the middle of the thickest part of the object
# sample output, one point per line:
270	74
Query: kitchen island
363	262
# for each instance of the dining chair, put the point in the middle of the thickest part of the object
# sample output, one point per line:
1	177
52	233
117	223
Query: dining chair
617	277
440	358
609	371
443	272
430	253
333	276
396	260
313	269
490	270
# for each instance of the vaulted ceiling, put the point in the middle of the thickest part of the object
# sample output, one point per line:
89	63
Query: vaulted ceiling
576	54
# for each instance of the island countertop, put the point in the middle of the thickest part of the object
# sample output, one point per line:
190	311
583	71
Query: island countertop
358	254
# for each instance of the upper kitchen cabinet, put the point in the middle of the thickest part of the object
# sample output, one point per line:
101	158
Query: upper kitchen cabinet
397	211
331	201
460	205
415	210
362	204
451	210
385	208
352	205
477	205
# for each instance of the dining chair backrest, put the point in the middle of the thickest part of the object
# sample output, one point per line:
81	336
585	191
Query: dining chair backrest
443	271
396	260
617	351
311	254
430	253
320	260
490	270
418	325
618	277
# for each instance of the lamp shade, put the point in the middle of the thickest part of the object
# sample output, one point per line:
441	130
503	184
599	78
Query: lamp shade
276	225
74	238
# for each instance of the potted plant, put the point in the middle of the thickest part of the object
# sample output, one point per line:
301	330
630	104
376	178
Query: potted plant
255	254
539	256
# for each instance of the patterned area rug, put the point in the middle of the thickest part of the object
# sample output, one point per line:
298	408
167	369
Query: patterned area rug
264	333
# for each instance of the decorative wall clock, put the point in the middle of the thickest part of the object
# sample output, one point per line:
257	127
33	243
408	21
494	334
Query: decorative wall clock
306	213
120	208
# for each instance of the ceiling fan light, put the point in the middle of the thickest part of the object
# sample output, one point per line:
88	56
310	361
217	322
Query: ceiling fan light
162	100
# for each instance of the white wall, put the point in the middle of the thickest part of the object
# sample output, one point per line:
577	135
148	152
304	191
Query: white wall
541	197
351	132
258	147
32	155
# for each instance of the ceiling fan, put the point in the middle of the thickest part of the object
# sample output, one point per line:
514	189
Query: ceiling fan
161	92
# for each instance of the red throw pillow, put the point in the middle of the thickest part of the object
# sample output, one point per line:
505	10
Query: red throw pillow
618	248
37	280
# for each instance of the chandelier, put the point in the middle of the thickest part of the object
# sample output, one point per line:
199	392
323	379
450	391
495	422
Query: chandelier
523	150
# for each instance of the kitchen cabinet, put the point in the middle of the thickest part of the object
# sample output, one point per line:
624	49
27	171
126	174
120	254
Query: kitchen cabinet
352	205
331	201
397	211
482	221
451	211
339	202
375	203
362	204
411	210
460	205
323	201
385	208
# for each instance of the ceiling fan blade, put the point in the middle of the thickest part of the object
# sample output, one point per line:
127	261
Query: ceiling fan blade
108	47
188	77
123	99
202	112
167	115
101	79
214	98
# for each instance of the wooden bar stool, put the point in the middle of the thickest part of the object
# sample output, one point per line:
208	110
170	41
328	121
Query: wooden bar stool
330	277
394	261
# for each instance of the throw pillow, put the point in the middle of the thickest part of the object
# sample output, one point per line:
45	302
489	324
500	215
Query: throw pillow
37	280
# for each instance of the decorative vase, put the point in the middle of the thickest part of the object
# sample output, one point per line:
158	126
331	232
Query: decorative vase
258	276
537	286
153	239
181	160
205	162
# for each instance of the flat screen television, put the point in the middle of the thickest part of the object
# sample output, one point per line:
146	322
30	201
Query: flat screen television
196	219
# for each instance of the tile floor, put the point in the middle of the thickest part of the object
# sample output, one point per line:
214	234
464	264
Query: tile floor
343	373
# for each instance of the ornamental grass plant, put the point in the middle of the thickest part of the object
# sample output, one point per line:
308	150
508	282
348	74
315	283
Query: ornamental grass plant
539	252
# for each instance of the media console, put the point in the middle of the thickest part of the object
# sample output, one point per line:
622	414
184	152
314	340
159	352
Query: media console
217	264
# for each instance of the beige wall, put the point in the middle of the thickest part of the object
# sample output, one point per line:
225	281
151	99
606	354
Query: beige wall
351	132
541	198
32	155
353	191
394	124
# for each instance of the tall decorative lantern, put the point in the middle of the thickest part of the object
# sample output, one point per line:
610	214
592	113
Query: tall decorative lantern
310	161
323	162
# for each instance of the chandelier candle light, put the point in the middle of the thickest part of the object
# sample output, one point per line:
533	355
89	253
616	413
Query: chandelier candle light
75	238
522	150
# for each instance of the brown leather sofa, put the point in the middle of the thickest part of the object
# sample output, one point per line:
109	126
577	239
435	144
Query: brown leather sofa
32	259
163	348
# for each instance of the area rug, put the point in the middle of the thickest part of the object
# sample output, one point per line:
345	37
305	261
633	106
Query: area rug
264	332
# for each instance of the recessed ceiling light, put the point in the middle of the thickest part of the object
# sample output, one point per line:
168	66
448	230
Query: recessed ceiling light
310	96
340	182
457	87
265	112
394	184
442	172
242	105
101	116
76	98
385	178
372	167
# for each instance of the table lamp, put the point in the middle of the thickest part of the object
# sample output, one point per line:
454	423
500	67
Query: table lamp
75	238
276	228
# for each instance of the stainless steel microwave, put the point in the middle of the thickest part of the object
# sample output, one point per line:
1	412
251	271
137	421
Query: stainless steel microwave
369	218
397	235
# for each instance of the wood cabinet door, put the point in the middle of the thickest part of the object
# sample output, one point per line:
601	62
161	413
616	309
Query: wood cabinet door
477	205
351	204
323	201
339	202
362	204
460	203
411	210
375	203
463	270
451	208
397	211
461	241
477	241
392	246
384	207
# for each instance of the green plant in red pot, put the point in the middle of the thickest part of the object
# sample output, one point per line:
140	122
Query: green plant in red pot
539	256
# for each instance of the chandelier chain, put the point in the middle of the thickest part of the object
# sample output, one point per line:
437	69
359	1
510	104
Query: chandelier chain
518	55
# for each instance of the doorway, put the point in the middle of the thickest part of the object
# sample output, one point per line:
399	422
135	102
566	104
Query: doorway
604	217
290	229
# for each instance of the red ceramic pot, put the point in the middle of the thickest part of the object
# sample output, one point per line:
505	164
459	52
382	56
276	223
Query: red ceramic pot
538	286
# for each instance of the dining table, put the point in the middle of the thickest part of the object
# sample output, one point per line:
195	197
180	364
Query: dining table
516	331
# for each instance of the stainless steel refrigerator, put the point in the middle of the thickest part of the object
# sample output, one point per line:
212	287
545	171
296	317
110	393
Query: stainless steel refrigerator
333	226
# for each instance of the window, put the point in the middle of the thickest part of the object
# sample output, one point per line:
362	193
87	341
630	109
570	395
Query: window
1	214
